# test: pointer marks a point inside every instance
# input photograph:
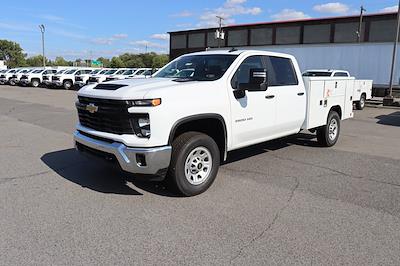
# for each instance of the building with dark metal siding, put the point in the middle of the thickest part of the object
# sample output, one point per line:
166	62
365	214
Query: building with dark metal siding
317	43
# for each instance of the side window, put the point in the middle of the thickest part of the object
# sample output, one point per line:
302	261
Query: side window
242	74
281	72
341	74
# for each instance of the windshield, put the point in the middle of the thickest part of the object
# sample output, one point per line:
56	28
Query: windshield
317	74
139	72
71	71
95	71
104	72
120	72
37	71
110	72
203	67
60	72
128	72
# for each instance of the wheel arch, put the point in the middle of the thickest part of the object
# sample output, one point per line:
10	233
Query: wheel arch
211	124
337	109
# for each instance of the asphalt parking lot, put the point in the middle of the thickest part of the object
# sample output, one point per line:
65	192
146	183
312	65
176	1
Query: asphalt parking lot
282	202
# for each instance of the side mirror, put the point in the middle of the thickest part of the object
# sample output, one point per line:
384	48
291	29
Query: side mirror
258	80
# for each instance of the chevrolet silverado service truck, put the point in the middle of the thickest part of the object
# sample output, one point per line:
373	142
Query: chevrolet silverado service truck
183	127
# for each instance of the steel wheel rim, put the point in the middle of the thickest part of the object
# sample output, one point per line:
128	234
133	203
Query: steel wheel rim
333	129
198	165
362	101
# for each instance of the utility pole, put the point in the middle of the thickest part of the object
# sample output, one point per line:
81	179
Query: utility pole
388	100
42	30
359	32
220	34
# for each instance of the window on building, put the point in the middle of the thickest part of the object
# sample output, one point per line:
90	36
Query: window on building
347	32
212	42
237	38
281	72
261	36
382	31
196	40
178	41
317	33
288	35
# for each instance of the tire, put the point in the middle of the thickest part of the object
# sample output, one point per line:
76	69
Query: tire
12	82
67	85
328	135
194	163
35	83
361	103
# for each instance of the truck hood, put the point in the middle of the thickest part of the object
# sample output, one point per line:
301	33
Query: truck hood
134	88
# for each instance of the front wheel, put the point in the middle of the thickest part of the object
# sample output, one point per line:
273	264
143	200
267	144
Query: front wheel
328	135
35	83
194	163
67	85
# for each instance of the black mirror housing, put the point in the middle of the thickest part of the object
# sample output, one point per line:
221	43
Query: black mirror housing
258	80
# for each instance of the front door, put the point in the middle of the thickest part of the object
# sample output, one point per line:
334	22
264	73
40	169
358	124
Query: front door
254	115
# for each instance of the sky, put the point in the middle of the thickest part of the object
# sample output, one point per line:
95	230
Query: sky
89	29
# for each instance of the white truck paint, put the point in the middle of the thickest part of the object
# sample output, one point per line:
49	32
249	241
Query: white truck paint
102	76
7	75
83	79
15	79
67	78
362	88
185	126
35	78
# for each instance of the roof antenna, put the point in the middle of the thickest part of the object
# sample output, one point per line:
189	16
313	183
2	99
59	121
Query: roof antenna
233	49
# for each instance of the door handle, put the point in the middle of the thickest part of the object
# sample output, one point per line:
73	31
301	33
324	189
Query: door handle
300	93
269	96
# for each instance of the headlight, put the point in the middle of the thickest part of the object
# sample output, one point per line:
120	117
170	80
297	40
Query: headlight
147	102
142	126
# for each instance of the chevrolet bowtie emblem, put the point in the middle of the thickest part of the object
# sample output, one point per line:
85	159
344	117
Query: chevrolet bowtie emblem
91	108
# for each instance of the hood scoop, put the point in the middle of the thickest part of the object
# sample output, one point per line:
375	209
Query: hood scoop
109	87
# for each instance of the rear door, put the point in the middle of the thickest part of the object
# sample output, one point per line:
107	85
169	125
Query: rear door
290	94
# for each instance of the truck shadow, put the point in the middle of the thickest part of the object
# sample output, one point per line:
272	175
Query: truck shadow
103	177
392	119
99	175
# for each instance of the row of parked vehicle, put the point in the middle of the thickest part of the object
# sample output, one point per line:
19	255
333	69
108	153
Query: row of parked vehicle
69	77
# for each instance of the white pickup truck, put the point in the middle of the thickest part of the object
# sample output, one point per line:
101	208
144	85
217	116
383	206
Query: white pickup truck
35	78
67	78
362	88
183	127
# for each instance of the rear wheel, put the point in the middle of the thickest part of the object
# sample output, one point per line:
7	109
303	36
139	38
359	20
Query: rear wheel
35	83
194	163
361	104
328	135
67	85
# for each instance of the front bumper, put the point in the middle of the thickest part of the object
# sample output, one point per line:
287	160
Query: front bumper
144	161
80	84
3	80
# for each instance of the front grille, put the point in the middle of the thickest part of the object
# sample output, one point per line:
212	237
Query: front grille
45	77
14	76
24	77
112	116
110	79
78	78
3	76
55	78
92	79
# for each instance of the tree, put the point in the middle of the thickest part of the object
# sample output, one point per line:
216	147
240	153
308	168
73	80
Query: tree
60	61
12	53
116	62
104	61
36	61
160	61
